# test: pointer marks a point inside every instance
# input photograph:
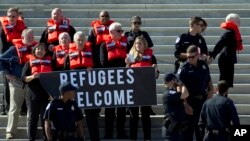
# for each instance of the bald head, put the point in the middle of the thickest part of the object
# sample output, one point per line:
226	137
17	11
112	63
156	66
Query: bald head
104	17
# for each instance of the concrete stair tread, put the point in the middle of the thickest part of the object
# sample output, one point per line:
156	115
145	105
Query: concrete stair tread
127	13
238	78
170	40
154	31
127	1
130	6
170	49
238	88
147	22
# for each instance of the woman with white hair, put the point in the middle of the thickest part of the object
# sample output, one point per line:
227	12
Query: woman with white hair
229	43
60	51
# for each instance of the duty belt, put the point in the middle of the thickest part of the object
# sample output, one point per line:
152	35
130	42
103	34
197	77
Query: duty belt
65	134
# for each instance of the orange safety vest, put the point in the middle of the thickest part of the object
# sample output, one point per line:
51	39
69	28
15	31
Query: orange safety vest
146	59
40	65
23	52
82	58
101	30
12	32
60	55
116	49
54	29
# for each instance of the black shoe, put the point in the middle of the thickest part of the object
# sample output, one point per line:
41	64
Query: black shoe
23	113
108	137
123	136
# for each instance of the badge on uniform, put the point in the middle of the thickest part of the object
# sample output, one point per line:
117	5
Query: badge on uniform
171	92
72	108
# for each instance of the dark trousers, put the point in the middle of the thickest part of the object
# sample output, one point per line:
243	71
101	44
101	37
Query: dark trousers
92	123
120	122
221	136
35	108
174	136
146	122
226	70
192	121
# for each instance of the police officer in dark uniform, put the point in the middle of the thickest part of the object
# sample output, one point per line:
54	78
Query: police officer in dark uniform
174	119
192	37
63	118
217	114
135	32
195	76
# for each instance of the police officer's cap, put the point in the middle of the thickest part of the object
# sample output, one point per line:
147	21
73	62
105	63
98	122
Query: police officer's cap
169	76
66	86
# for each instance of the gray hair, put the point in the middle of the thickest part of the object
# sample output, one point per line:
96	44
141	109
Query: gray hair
114	25
233	17
26	31
77	34
62	34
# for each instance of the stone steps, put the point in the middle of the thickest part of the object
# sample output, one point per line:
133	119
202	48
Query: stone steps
129	6
126	2
170	40
170	49
156	121
156	132
170	58
146	22
127	13
157	31
238	88
239	68
238	78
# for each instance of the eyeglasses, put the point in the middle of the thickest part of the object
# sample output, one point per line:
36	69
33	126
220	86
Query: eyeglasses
104	15
191	57
120	31
139	23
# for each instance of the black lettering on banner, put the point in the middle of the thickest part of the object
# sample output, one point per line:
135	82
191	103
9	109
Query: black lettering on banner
112	87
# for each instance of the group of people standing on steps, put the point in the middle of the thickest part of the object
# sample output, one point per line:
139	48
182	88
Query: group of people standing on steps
62	48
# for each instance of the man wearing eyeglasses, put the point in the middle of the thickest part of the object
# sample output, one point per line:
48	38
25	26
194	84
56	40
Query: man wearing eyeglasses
135	32
195	76
113	54
98	33
192	37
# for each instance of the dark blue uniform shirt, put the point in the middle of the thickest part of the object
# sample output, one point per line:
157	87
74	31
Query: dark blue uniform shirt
173	105
217	113
63	115
185	40
195	78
